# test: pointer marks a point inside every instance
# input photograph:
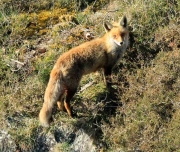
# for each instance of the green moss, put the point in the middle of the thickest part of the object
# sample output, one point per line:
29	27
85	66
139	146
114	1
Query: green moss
39	23
24	136
65	147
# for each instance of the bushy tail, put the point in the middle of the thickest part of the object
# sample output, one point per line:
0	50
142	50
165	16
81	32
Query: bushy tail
53	92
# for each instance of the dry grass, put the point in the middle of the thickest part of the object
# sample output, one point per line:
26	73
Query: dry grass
143	114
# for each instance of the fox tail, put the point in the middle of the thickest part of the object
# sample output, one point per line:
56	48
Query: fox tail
53	93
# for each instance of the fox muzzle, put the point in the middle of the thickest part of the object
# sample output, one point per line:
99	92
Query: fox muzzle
119	43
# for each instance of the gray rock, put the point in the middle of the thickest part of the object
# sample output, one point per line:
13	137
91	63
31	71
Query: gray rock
83	143
6	142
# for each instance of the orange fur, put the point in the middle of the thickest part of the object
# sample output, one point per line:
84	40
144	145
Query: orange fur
88	57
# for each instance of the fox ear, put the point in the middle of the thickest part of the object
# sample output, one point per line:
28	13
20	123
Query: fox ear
123	21
108	26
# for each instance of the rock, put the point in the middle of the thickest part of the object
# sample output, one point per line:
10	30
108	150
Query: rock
64	137
45	142
83	142
42	48
6	142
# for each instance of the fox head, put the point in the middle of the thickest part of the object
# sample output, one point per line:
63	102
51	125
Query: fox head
118	32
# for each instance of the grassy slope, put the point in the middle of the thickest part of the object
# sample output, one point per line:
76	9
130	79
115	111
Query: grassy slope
143	115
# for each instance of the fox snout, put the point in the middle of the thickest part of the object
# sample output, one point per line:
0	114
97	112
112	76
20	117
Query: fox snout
119	43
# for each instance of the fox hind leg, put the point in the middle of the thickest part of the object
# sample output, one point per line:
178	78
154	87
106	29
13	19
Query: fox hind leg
68	96
60	103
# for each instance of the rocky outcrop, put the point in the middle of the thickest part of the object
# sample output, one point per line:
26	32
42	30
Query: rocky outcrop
62	138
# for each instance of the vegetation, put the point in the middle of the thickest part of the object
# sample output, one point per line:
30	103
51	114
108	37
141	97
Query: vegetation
142	115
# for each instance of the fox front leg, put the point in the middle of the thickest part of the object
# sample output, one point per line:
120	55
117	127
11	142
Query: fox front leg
108	81
107	77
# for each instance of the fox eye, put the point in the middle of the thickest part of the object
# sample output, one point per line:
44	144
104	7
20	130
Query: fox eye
122	34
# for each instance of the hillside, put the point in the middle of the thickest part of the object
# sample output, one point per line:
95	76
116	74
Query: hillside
143	114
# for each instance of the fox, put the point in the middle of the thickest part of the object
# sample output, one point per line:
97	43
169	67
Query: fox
99	53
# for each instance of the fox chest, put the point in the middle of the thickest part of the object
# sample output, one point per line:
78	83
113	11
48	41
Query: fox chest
115	56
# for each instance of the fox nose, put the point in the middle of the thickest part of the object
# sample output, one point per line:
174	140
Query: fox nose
121	43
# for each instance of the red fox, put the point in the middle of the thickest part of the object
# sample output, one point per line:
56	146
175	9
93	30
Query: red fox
88	57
